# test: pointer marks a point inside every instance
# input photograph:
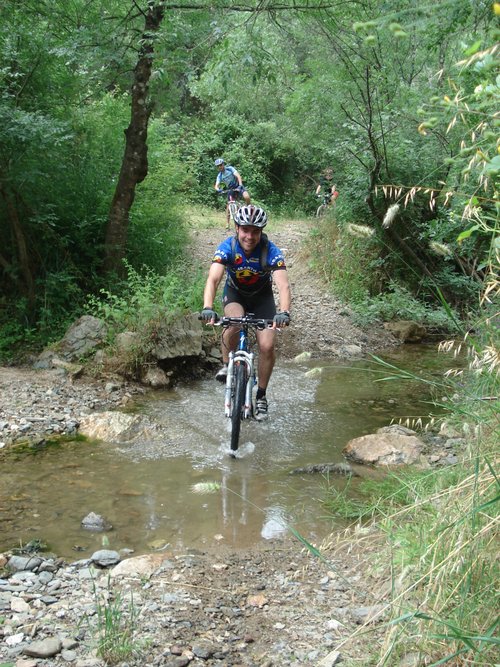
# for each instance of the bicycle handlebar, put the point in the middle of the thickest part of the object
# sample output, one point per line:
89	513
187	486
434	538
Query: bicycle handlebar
257	322
230	191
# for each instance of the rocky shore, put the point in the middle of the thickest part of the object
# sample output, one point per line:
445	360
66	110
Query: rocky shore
37	405
272	606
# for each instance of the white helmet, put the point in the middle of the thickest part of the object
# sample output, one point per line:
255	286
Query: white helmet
218	162
252	216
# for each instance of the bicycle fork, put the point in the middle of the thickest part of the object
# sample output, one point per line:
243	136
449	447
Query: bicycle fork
247	358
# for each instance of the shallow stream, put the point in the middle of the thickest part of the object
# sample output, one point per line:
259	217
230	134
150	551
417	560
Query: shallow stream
146	490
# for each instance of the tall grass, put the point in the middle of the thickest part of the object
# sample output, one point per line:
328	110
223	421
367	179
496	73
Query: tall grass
116	621
438	533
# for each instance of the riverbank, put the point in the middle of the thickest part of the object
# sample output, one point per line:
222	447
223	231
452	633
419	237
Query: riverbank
271	606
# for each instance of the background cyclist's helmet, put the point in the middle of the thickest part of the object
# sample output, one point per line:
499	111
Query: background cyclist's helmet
252	216
218	162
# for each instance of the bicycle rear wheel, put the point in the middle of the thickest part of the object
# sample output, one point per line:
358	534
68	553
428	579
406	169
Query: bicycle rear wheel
238	401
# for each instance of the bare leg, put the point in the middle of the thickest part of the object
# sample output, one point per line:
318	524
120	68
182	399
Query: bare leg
228	217
246	197
230	335
267	356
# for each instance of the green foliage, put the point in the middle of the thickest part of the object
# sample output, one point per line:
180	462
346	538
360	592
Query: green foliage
116	624
145	299
397	303
377	499
157	234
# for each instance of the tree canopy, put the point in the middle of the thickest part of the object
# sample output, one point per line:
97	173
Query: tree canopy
112	113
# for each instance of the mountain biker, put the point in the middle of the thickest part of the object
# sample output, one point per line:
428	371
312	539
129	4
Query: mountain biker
228	177
248	288
328	186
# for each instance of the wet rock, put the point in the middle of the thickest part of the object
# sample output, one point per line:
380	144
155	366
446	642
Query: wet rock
407	331
384	449
156	378
95	522
314	372
116	427
325	468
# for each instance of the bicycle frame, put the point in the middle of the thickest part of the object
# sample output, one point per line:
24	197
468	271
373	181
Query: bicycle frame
232	204
242	355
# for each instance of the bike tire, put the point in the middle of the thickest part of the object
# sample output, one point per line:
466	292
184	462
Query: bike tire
233	210
238	402
321	210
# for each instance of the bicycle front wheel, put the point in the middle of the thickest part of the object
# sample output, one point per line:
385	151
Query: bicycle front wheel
238	402
321	211
233	210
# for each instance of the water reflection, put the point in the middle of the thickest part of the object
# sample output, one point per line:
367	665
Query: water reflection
144	490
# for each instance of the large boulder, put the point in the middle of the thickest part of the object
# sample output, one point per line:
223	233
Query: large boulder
117	427
82	338
384	449
181	337
406	331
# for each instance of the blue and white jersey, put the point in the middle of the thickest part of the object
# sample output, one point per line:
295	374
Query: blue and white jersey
227	177
246	273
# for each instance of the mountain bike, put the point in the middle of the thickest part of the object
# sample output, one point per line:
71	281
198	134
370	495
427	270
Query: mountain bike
323	207
241	376
329	199
232	203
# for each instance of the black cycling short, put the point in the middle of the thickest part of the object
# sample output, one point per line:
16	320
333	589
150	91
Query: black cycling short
260	304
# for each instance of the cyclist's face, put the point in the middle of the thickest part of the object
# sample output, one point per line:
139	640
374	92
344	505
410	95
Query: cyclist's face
221	167
249	237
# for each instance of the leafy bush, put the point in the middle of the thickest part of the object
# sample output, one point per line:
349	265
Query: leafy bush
145	299
399	304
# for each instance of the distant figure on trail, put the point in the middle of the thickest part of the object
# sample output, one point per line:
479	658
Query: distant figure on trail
229	178
250	263
326	186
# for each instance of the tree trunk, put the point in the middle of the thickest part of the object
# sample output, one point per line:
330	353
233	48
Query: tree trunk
134	167
28	283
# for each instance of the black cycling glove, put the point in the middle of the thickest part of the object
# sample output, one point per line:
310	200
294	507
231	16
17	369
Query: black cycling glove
282	319
208	314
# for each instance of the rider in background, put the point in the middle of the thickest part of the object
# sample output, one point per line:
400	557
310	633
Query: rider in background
327	186
229	178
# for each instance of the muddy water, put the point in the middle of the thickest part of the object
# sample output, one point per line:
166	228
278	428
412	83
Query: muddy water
146	490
